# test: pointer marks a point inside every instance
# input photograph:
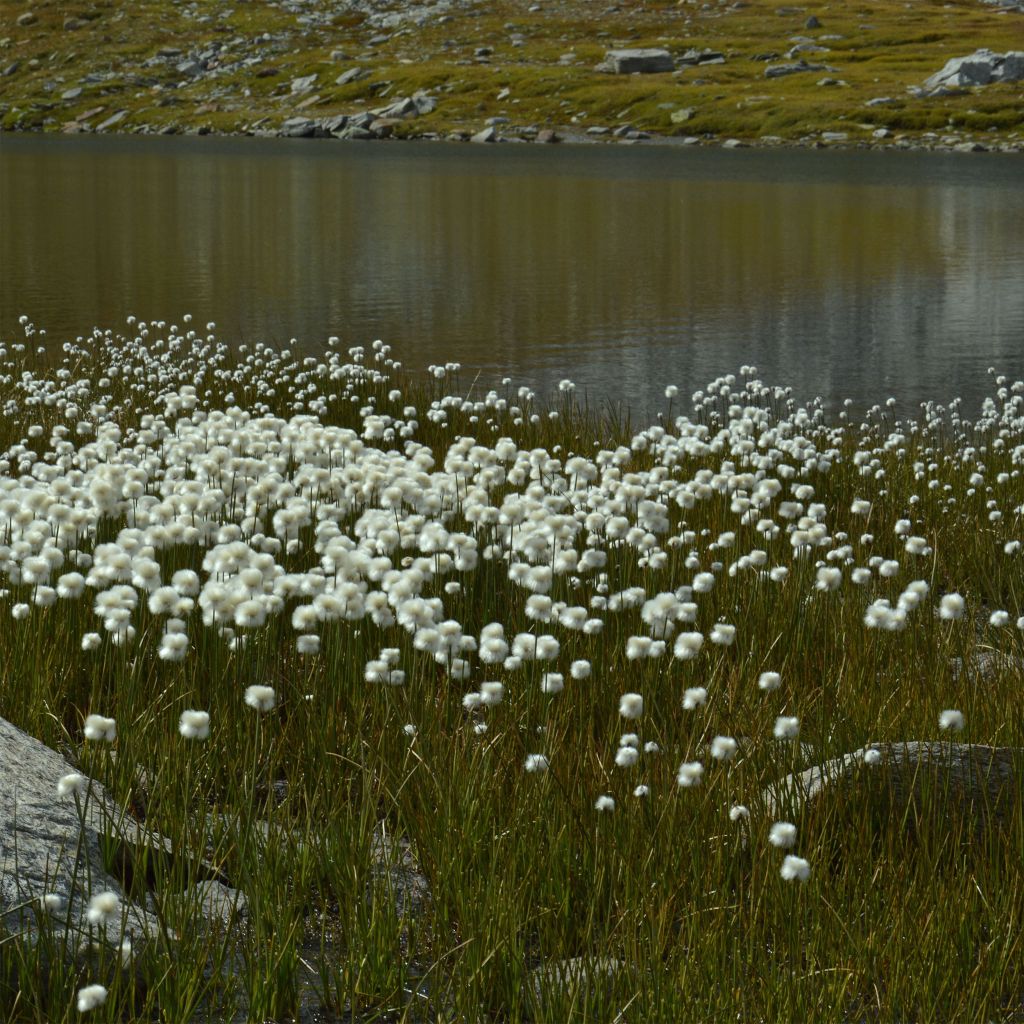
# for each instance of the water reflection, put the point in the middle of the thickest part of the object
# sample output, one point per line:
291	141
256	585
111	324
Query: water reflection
859	275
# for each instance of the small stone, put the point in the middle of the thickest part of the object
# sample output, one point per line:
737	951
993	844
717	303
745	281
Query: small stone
26	19
110	122
882	101
812	22
10	69
504	94
733	144
352	75
834	136
548	136
487	135
642	62
304	84
72	24
189	67
682	115
71	94
168	52
597	129
495	121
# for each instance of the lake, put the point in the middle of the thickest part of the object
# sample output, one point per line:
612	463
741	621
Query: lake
844	274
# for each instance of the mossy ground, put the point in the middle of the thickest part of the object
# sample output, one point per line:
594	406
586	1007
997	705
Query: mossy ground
877	49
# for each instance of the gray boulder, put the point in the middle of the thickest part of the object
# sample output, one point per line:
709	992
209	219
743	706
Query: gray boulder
50	844
781	70
630	62
979	68
941	784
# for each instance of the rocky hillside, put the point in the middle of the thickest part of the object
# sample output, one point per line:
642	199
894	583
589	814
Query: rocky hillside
729	71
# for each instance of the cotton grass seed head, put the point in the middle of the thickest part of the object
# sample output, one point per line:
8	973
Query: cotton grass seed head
872	756
626	757
786	728
103	907
631	705
769	681
951	720
782	835
90	997
72	784
951	607
689	774
723	748
536	764
260	698
795	869
694	697
194	725
738	812
99	728
604	804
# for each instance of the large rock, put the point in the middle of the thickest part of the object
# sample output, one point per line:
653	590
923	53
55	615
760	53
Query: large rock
781	70
964	787
51	844
979	68
629	62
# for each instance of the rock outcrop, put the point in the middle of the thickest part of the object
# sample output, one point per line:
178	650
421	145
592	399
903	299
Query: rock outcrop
979	68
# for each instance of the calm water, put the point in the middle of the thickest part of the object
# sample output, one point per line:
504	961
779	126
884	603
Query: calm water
859	275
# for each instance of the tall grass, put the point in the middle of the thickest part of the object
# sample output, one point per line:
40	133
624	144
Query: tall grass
394	858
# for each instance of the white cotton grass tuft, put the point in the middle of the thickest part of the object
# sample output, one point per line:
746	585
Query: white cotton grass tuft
604	804
260	698
724	748
872	756
951	720
72	784
631	705
688	645
53	903
738	812
795	869
694	697
626	757
689	774
536	764
786	727
103	907
782	835
97	727
723	634
90	997
580	669
194	725
952	607
307	643
769	681
642	791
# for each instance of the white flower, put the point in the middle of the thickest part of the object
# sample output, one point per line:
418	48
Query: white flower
872	756
552	682
689	774
888	568
99	728
641	790
783	835
261	698
703	582
173	647
795	869
999	618
860	576
604	803
786	728
951	607
722	633
536	763
90	641
738	812
103	907
860	507
828	578
723	748
409	729
20	611
694	697
631	705
626	757
688	645
53	903
90	997
72	784
951	720
308	643
769	681
580	669
491	693
194	725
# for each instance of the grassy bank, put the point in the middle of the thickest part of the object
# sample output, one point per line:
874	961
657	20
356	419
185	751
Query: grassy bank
534	67
505	649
